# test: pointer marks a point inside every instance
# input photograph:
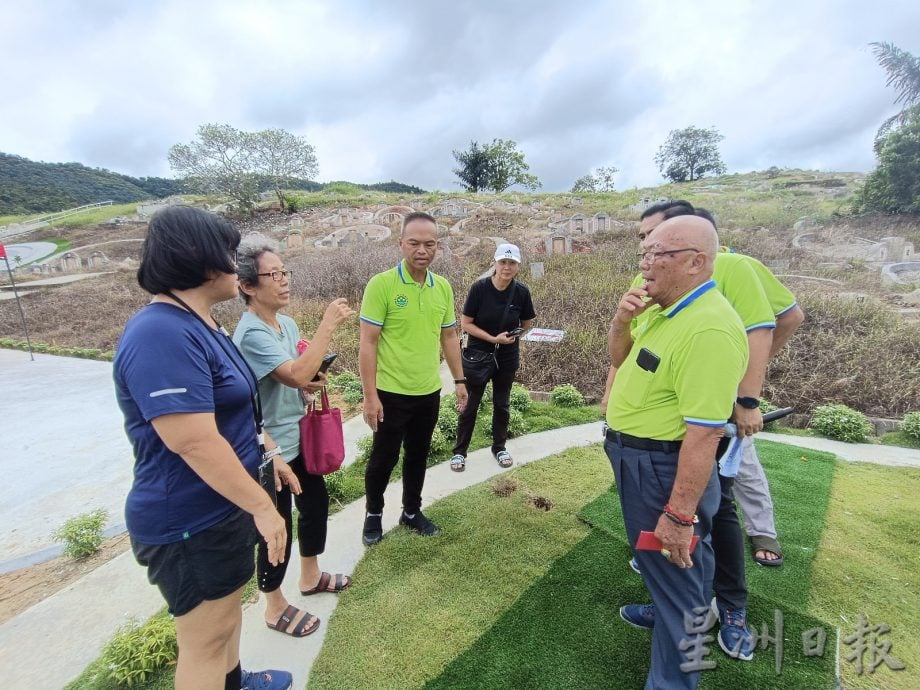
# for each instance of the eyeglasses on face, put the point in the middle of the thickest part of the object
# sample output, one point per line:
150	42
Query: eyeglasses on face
278	275
651	257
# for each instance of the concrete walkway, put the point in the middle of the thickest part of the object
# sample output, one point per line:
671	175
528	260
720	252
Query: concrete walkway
893	456
63	450
72	626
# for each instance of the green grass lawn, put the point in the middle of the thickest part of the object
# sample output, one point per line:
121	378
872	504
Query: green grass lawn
442	620
899	438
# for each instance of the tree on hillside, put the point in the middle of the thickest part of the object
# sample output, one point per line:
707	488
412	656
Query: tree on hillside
494	167
225	160
474	167
904	75
280	158
689	154
601	180
894	185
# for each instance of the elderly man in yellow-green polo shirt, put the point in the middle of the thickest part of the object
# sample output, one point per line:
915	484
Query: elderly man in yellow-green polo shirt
407	319
676	385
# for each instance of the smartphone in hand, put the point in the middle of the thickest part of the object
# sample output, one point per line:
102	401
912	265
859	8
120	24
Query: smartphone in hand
327	360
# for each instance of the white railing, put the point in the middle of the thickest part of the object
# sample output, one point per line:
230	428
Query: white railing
32	224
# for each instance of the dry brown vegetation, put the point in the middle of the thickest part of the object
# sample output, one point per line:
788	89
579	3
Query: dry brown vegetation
853	350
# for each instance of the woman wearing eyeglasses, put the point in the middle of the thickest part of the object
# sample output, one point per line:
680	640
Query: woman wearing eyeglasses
268	341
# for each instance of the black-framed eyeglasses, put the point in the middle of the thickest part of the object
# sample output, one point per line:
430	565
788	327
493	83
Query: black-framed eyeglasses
651	257
235	256
278	275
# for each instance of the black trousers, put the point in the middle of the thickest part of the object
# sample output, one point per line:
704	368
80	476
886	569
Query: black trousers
312	518
502	379
408	423
728	581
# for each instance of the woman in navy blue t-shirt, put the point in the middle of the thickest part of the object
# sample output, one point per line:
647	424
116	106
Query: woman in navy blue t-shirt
195	510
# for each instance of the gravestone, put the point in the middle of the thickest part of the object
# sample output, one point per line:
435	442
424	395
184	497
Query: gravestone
536	270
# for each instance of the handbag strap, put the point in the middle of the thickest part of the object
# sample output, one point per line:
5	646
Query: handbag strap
323	408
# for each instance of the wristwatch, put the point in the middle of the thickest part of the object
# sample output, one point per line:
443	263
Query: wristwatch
748	403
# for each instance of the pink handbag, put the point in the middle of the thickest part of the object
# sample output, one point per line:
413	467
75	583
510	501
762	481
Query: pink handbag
322	443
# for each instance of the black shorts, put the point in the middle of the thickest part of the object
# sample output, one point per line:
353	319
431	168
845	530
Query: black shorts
208	565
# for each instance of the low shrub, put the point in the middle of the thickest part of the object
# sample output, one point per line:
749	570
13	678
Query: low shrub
566	395
448	417
349	385
911	425
841	422
439	444
520	398
335	486
137	651
364	445
517	425
82	535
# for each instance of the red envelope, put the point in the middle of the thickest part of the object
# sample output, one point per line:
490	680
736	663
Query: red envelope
649	542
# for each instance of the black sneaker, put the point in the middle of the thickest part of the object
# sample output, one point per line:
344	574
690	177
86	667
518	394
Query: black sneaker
373	530
420	524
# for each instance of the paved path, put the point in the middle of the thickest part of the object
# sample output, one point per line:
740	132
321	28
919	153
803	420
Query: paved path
73	401
63	449
893	456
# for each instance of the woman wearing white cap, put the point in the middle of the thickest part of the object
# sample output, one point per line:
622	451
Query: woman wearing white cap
498	309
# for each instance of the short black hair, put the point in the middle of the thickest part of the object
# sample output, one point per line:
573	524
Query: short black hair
670	209
418	215
184	245
707	214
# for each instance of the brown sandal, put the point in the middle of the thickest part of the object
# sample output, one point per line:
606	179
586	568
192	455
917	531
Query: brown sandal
341	582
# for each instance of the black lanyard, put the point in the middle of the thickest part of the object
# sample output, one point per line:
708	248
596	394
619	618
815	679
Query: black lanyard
220	335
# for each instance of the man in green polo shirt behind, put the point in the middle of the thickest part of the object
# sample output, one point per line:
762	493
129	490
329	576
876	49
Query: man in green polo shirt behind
407	319
676	385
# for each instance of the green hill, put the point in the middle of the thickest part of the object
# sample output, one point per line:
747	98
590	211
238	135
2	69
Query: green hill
33	187
28	187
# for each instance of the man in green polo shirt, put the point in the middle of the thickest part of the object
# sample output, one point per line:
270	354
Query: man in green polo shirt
770	315
676	385
407	319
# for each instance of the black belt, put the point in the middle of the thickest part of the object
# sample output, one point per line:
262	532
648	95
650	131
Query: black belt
642	443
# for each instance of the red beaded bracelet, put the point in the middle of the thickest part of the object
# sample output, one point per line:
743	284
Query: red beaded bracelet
682	518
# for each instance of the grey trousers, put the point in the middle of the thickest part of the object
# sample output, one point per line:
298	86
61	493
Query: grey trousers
752	491
644	480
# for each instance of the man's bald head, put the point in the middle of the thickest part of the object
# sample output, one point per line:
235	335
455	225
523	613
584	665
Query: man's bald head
688	231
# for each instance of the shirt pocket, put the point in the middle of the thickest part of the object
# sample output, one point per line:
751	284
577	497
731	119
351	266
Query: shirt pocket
638	386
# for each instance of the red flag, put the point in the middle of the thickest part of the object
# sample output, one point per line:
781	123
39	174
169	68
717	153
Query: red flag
2	251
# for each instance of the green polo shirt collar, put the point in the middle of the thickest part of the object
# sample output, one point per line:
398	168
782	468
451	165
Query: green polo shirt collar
688	299
406	278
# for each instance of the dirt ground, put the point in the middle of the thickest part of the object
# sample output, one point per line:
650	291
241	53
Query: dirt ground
23	588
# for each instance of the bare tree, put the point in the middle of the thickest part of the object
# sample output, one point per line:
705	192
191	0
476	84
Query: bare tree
225	160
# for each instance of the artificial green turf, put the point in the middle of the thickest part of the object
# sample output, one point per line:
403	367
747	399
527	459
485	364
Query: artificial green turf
417	602
565	632
800	482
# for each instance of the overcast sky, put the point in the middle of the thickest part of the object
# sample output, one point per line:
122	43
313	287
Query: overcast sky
386	89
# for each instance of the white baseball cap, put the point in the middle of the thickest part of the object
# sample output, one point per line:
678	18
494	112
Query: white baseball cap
508	251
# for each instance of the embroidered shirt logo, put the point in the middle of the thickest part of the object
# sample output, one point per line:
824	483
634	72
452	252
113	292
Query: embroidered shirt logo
401	301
